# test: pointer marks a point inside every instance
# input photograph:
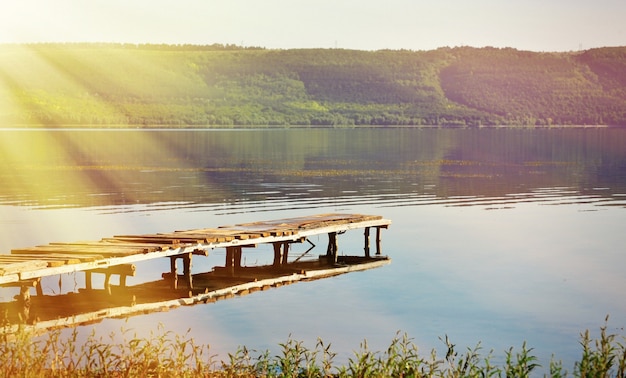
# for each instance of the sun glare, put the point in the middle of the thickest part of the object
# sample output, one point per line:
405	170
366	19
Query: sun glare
44	81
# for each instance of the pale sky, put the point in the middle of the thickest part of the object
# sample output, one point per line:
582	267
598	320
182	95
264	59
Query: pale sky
537	25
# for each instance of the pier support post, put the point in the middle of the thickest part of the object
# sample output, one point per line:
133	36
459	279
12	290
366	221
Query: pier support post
23	301
123	271
187	270
38	288
107	283
367	242
285	253
229	264
173	273
277	254
378	248
233	259
238	256
331	251
281	253
88	280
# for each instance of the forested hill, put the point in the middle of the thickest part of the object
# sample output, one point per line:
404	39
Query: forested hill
111	84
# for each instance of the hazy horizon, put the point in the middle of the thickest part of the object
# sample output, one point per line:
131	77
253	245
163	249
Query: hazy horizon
557	25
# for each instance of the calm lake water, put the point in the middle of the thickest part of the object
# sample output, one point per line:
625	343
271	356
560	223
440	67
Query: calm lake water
499	236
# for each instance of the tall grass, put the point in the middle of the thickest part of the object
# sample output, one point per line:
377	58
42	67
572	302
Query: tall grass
164	354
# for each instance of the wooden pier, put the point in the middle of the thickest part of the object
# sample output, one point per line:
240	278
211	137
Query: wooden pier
117	255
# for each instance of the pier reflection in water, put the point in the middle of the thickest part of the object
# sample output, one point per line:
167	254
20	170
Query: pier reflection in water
499	235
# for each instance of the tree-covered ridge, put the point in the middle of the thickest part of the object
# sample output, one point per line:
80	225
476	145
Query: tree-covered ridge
105	84
536	88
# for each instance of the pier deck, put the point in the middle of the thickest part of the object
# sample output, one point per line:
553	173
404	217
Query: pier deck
25	267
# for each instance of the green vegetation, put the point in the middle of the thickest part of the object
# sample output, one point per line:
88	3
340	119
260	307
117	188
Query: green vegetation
178	86
164	354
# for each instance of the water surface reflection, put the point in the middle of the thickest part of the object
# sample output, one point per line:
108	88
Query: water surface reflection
498	235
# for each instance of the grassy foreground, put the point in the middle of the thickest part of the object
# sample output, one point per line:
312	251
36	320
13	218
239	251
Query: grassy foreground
165	355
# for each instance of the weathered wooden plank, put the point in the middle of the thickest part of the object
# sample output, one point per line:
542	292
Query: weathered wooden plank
48	262
17	267
105	252
156	239
51	256
185	238
147	247
152	247
8	278
220	232
335	219
256	232
100	248
72	249
60	256
97	246
307	222
56	260
212	235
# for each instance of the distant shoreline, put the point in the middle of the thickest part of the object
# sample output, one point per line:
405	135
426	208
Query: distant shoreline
281	127
108	85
